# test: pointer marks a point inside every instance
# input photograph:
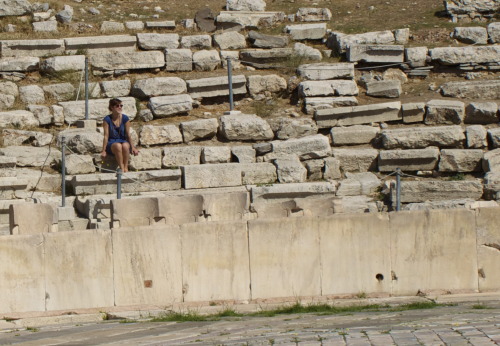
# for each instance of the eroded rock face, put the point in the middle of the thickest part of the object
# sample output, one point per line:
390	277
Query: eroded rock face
465	8
246	5
14	7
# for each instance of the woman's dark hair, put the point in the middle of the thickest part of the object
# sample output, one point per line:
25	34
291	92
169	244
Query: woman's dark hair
113	103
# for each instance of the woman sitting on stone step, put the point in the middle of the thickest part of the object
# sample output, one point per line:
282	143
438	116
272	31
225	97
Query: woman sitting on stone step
117	140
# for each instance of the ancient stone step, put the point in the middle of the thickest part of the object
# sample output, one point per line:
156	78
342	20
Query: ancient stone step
375	53
216	86
434	190
422	137
408	160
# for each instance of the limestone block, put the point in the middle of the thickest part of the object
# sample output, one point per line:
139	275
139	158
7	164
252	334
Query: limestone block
476	137
287	128
152	41
481	113
75	110
164	272
216	86
453	268
433	190
243	154
30	218
73	278
11	187
179	60
356	160
306	31
265	56
402	36
164	106
60	91
246	5
147	159
358	115
199	129
309	147
181	209
487	253
26	283
215	255
233	56
494	137
245	127
153	135
290	252
181	156
18	118
285	192
322	71
82	141
19	64
413	112
465	55
145	88
229	40
384	88
341	42
211	175
31	48
9	89
267	41
116	88
206	60
461	160
220	154
313	104
290	170
315	169
492	178
41	113
444	112
338	248
328	88
262	148
306	52
108	26
311	14
32	156
332	168
167	24
79	164
15	8
94	90
408	160
196	42
104	183
136	25
124	60
19	137
494	32
227	20
258	173
266	84
47	26
57	115
486	89
226	205
416	56
31	94
375	53
96	43
353	135
470	35
44	183
368	183
423	137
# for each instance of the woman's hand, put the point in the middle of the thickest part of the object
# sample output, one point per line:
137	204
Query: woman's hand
104	154
135	151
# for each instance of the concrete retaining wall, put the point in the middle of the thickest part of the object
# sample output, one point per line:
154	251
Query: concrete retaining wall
374	254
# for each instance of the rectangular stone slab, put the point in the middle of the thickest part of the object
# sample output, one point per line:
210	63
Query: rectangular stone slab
358	115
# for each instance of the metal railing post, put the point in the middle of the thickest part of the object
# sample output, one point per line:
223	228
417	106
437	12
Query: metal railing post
86	88
230	82
63	171
398	189
118	183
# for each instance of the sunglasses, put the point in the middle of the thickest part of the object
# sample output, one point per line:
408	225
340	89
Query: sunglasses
119	106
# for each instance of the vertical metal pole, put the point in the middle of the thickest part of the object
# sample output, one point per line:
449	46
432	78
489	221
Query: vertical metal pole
63	171
119	183
230	82
86	88
398	189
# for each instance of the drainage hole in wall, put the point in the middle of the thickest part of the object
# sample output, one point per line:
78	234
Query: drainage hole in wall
379	277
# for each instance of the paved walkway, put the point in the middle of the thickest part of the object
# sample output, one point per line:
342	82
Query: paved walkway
465	323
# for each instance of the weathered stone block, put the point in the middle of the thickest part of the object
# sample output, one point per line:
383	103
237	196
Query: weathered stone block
309	147
356	160
245	127
152	41
216	86
461	160
423	137
421	191
199	129
306	31
164	106
376	53
476	137
181	156
444	112
353	135
384	88
408	160
216	175
481	113
413	112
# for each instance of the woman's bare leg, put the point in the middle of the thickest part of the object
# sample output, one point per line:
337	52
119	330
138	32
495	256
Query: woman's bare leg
125	155
116	149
